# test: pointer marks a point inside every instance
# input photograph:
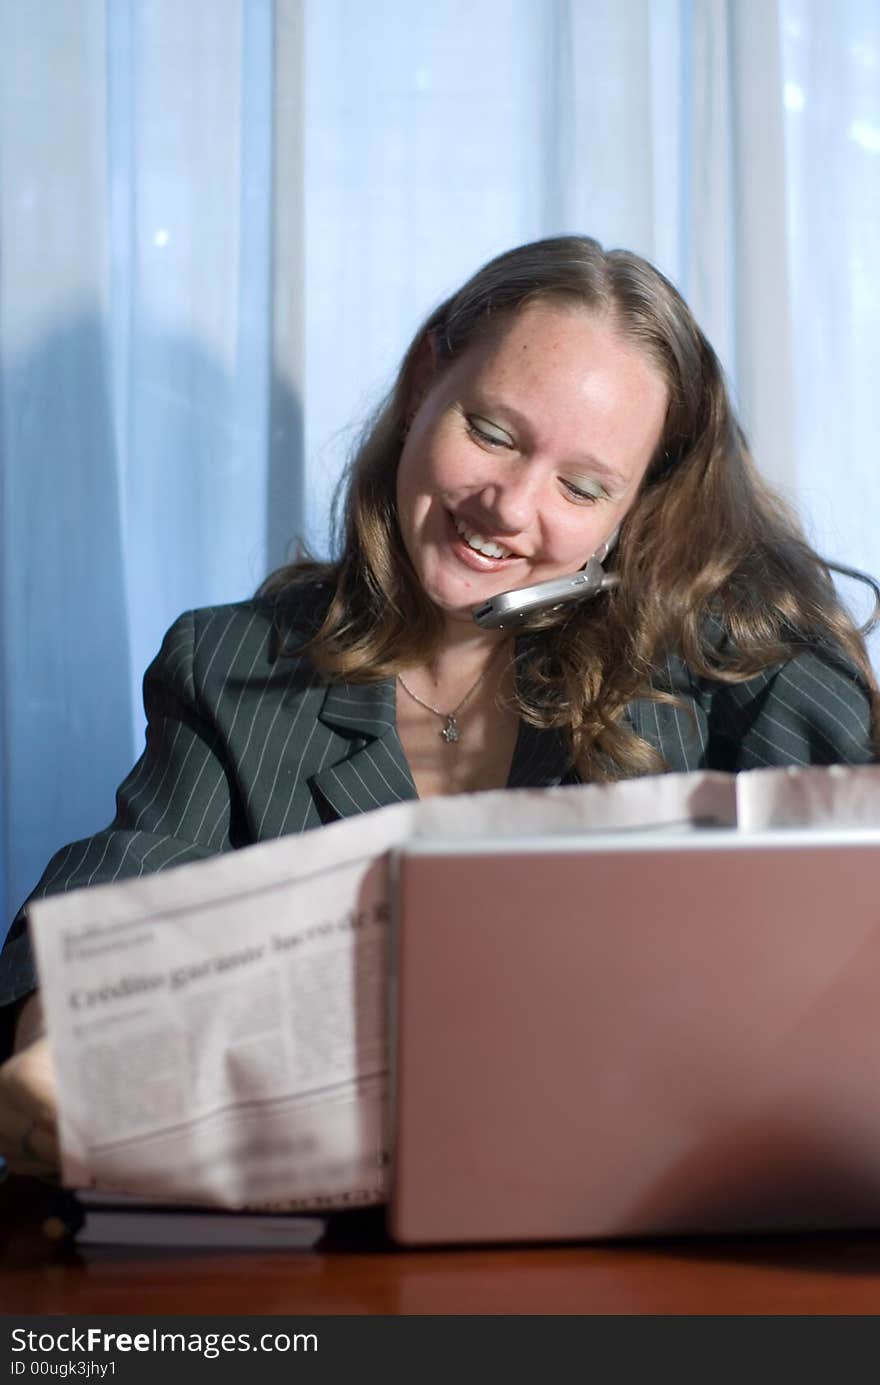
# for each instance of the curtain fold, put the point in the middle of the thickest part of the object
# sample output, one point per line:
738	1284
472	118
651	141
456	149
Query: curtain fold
222	222
831	73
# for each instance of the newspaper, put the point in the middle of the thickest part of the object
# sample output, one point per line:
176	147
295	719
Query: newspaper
219	1031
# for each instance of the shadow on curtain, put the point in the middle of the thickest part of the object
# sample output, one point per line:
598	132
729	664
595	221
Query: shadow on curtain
65	665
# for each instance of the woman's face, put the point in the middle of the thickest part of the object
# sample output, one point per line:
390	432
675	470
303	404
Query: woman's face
525	454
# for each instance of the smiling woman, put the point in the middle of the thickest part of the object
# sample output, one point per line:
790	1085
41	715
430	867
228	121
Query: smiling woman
562	405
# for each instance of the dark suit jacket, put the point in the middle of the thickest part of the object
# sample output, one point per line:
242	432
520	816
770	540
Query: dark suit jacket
243	745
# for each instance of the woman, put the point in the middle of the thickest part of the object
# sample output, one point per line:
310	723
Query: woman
562	404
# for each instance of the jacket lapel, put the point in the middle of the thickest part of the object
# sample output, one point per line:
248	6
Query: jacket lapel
376	772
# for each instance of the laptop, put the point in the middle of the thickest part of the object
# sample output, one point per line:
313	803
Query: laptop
633	1035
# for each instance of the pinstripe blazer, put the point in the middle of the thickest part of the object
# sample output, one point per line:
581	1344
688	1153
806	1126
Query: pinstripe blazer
245	742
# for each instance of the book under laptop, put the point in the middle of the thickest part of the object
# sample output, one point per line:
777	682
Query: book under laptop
114	1219
629	1035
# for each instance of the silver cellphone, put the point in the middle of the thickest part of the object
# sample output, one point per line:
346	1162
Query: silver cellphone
508	608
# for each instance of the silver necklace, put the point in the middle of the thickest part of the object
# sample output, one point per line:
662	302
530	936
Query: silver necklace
450	732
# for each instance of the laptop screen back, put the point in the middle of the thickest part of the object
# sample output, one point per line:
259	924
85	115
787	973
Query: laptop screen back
629	1036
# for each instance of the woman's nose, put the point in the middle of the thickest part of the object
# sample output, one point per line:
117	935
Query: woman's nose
511	501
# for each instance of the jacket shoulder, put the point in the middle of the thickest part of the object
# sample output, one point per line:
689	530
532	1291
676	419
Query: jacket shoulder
813	709
241	638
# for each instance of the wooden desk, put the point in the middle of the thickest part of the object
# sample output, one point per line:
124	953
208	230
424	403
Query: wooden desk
361	1273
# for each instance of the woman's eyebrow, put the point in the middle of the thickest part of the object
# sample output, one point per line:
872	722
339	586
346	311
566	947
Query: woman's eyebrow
495	407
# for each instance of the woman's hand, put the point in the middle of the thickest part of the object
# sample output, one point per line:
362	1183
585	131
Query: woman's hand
28	1104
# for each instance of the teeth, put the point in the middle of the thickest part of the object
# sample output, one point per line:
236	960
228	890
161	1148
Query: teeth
481	545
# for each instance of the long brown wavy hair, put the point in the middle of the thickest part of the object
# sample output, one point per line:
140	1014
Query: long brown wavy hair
712	564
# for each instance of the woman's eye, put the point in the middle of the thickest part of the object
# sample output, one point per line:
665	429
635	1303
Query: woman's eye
486	432
583	496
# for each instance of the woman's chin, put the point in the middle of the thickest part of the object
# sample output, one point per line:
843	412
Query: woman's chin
456	593
453	610
453	605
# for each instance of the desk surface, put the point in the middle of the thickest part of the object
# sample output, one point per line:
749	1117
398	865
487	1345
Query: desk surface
361	1273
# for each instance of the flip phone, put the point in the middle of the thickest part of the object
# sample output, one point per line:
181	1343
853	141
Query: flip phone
510	607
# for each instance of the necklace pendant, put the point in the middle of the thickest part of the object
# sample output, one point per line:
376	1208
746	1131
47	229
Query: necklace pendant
450	730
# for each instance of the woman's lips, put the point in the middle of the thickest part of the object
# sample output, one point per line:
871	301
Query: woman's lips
478	562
